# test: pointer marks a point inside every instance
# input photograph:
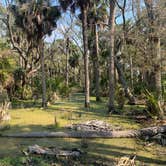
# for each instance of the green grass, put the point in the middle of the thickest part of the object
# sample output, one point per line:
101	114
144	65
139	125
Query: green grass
68	112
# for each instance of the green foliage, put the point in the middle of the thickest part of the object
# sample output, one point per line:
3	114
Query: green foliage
64	90
19	76
4	63
74	55
164	86
20	161
153	106
37	87
19	73
138	88
5	68
53	84
120	96
57	85
104	85
35	18
3	96
74	60
4	44
27	92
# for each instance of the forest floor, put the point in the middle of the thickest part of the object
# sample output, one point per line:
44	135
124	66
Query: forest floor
25	116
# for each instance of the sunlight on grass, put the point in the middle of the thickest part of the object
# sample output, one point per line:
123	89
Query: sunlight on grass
65	113
70	111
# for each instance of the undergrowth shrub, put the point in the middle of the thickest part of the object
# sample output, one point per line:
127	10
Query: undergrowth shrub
58	85
153	105
64	90
120	97
104	85
3	96
27	92
138	88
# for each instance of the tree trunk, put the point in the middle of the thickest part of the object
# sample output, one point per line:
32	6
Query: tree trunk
44	100
154	42
131	72
119	67
96	67
67	65
86	55
150	131
157	69
111	107
123	82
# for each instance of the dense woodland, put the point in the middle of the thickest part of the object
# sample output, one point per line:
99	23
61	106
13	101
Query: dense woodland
90	74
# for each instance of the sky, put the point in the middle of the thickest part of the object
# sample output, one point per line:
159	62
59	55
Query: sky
64	23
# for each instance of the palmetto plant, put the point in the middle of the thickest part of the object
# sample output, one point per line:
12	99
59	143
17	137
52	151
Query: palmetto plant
154	107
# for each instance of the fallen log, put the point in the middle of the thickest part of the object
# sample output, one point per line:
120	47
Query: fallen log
36	149
150	131
94	125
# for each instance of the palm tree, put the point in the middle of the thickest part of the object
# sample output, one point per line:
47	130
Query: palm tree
97	17
111	107
84	7
36	18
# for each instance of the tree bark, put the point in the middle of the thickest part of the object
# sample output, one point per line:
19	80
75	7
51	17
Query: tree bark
123	82
111	107
96	67
86	55
131	72
154	42
44	100
157	69
67	65
150	131
53	151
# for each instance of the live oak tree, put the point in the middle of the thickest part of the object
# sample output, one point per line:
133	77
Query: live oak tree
36	19
28	63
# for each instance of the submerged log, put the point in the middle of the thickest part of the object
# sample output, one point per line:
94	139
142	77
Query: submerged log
150	131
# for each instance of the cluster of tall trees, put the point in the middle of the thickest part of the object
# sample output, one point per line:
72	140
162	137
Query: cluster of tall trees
121	42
